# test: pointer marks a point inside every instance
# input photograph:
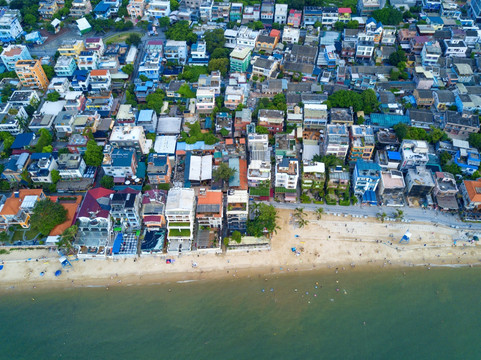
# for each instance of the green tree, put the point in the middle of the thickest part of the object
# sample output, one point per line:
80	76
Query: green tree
45	139
264	221
8	140
186	92
57	214
133	39
256	25
67	238
55	176
224	132
164	22
143	78
369	99
219	64
261	130
155	101
401	131
319	213
47	149
220	53
388	16
107	182
181	31
353	24
223	172
174	5
49	71
214	39
53	96
30	19
397	57
237	237
436	135
93	155
475	140
338	25
128	69
7	91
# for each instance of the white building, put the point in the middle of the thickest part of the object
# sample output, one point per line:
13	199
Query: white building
455	47
180	216
205	100
129	136
88	60
336	141
125	208
71	166
176	51
280	15
10	28
246	37
414	153
12	53
158	8
100	80
315	116
291	35
259	169
237	212
287	173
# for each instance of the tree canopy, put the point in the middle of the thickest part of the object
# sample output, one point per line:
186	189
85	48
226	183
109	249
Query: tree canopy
388	15
221	64
475	140
128	69
192	73
57	214
44	140
49	71
223	172
53	96
365	101
404	131
107	182
186	92
94	154
68	236
155	101
214	39
396	57
181	31
195	134
133	39
264	218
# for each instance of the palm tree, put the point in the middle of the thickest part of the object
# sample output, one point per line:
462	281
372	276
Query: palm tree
319	213
302	222
68	236
381	216
399	214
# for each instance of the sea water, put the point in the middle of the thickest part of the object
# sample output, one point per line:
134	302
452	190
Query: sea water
388	314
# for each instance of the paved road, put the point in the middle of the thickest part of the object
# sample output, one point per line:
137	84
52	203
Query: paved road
410	214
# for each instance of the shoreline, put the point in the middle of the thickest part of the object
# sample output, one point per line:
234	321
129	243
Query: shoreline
322	246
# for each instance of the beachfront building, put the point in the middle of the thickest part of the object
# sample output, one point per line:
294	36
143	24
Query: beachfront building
209	211
365	178
336	141
391	188
125	210
313	176
153	209
471	194
180	215
287	178
94	224
445	191
362	143
237	212
419	182
17	208
413	153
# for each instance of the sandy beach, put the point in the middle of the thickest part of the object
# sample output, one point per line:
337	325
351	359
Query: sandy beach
333	243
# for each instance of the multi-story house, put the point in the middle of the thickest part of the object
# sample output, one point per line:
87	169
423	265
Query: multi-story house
468	160
205	100
220	11
445	190
80	80
240	59
264	67
266	43
88	60
430	53
237	211
330	15
280	15
272	120
65	66
365	49
366	7
198	54
125	209
193	4
236	12
291	35
10	28
71	48
242	118
19	206
312	14
210	210
267	11
391	188
443	99
454	48
212	81
12	53
339	178
100	80
234	96
95	44
295	18
135	8
205	10
180	215
80	8
159	169
47	8
41	166
471	194
94	224
342	116
365	178
148	120
344	14
245	37
15	166
158	9
413	153
24	98
176	51
251	13
129	136
101	103
259	169
120	162
71	166
63	123
313	176
315	116
404	37
460	124
126	114
287	178
336	141
388	35
362	143
31	74
151	65
153	209
419	181
77	143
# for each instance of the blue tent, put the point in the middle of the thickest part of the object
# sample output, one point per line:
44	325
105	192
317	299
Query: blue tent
117	243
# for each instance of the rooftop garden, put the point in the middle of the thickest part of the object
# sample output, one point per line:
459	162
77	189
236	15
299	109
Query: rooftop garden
179	233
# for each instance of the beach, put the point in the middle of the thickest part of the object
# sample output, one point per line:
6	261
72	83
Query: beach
333	242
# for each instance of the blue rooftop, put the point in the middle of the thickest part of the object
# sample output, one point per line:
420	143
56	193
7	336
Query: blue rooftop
38	156
122	157
389	120
394	155
235	179
102	7
369	197
199	145
367	165
145	115
22	140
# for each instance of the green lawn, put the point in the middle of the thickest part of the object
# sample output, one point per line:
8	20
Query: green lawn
181	233
118	38
18	235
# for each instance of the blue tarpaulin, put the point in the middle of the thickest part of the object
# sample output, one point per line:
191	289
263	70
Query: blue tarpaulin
117	243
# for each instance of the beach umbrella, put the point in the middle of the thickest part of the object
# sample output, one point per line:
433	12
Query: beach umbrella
42	273
1	267
475	238
58	272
